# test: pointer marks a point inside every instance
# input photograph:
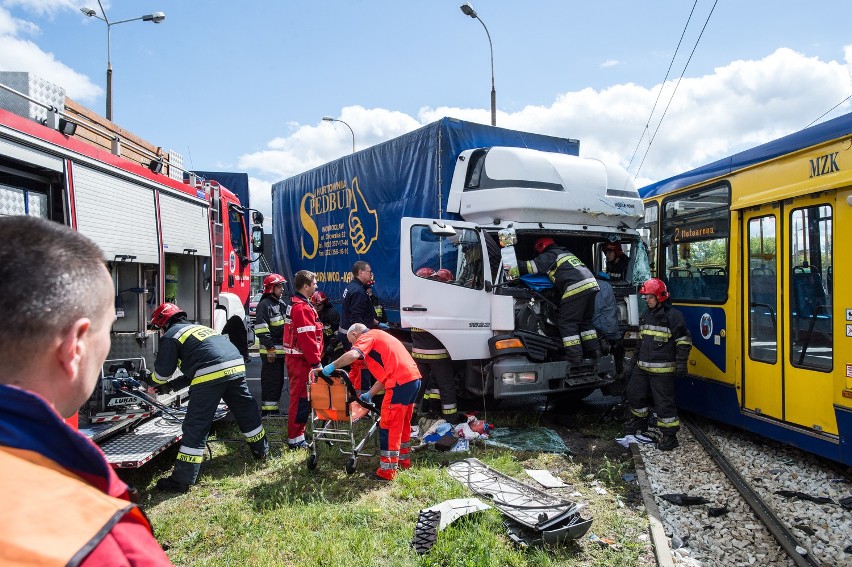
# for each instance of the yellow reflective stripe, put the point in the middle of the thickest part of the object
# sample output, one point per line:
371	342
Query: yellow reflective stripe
532	268
648	333
570	342
157	379
675	423
252	437
190	458
424	356
277	323
199	379
584	285
200	332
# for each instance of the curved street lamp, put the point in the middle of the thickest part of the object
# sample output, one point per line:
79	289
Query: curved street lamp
468	10
330	119
156	17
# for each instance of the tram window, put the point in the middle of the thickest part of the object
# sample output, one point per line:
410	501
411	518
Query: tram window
762	289
811	269
651	235
695	244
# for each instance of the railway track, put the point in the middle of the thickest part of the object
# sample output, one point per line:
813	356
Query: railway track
746	501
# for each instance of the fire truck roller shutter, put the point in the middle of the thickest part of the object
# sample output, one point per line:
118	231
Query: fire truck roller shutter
27	155
185	226
117	214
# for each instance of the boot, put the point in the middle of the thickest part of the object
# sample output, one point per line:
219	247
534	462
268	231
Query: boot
168	484
636	425
668	442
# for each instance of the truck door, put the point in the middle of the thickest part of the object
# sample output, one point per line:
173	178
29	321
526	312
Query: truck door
443	280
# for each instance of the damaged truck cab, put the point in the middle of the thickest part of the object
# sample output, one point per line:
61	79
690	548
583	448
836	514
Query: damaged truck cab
501	328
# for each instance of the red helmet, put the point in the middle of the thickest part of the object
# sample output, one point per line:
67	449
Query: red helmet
164	313
272	280
424	273
318	298
443	275
655	287
614	247
543	243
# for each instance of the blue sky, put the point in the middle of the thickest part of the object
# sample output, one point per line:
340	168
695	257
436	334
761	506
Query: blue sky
243	86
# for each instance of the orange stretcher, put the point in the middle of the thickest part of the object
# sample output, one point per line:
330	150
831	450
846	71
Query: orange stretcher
335	407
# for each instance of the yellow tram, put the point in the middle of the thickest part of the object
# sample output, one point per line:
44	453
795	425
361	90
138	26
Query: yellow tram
746	247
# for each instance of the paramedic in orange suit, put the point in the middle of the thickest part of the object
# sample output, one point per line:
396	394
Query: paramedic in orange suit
396	373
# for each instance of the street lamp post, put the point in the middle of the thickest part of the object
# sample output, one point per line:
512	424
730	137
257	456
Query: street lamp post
468	10
156	17
330	119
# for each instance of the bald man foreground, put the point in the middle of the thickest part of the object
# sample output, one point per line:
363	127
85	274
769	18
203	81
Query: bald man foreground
62	502
396	373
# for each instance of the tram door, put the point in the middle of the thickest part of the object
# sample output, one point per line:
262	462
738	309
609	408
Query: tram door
788	283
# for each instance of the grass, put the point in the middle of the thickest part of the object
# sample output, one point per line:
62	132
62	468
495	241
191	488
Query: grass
280	513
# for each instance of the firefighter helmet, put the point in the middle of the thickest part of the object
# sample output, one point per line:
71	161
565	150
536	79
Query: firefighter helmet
655	287
543	243
272	280
424	273
163	314
443	275
613	247
318	298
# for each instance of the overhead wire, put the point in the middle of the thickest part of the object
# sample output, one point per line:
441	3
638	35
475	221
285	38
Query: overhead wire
660	92
685	67
827	111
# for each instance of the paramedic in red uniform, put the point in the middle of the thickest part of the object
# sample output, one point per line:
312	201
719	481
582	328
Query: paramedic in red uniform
303	343
396	373
269	329
62	502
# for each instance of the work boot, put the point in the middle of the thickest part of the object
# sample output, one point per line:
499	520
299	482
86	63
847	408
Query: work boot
169	484
668	442
260	456
299	445
636	425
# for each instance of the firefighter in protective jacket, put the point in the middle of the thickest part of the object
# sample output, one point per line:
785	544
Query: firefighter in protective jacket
663	353
303	343
577	286
269	330
215	371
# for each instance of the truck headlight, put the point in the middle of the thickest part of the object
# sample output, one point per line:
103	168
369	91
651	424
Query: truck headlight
519	378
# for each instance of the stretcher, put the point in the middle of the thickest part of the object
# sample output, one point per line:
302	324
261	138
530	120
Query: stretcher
335	409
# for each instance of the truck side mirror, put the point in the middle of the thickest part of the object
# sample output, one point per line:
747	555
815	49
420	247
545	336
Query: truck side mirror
257	238
256	217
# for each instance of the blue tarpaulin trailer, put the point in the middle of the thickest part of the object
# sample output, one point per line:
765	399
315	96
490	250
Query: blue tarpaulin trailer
326	219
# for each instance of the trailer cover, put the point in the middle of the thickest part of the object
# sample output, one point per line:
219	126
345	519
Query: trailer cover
326	219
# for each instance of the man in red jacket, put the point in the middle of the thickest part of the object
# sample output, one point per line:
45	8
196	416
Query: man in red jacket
62	503
396	373
303	344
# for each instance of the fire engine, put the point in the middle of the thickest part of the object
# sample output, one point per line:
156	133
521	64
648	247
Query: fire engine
165	234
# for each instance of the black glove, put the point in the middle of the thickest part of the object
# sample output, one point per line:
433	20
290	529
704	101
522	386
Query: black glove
681	370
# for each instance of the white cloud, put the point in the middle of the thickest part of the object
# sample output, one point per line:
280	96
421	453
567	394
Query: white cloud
739	105
610	63
48	7
19	54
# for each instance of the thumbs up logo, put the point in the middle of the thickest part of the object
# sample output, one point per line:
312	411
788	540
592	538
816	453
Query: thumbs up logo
363	221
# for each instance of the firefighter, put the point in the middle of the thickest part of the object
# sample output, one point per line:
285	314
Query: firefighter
396	373
616	260
378	308
578	288
269	330
62	502
605	321
330	320
215	371
662	354
303	342
434	363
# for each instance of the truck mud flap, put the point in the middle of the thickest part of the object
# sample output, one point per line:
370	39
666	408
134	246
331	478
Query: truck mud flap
550	519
